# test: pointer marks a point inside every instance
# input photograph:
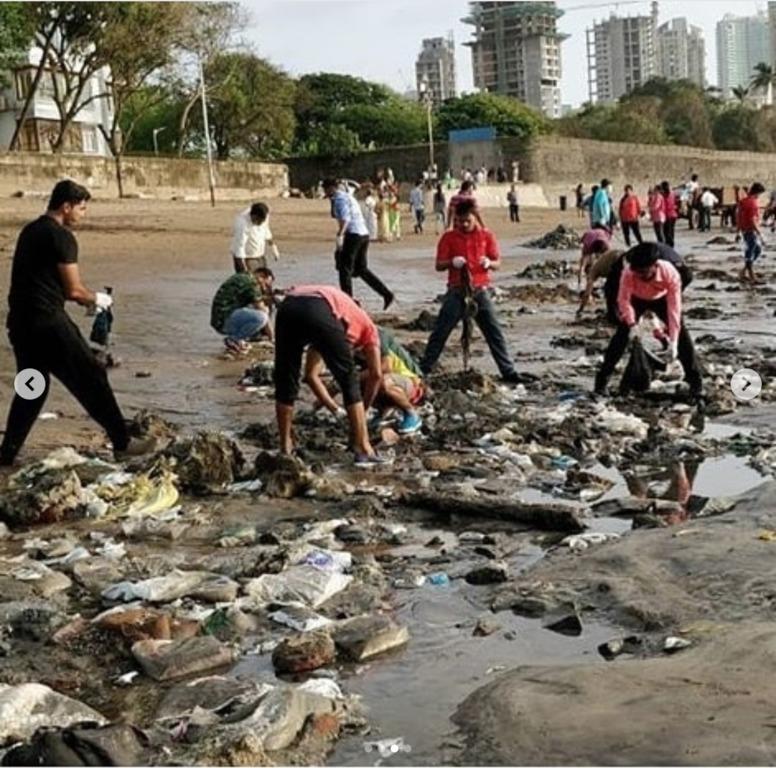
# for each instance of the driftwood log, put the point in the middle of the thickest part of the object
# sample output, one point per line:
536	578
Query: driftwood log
549	516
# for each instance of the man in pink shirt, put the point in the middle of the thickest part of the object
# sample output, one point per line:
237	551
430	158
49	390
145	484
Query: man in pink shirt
328	320
651	284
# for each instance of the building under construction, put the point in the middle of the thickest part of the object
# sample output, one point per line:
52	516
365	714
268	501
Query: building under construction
516	51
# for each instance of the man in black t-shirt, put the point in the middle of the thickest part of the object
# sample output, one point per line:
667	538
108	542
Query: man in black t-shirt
44	275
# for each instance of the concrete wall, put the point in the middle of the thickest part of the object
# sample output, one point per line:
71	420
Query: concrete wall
35	173
556	163
559	164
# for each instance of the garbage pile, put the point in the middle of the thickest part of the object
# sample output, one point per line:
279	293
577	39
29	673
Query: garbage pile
561	238
551	269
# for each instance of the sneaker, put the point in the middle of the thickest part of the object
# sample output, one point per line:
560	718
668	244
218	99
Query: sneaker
366	460
237	347
137	446
410	423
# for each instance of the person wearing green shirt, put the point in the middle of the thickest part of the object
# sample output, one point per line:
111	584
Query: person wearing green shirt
240	308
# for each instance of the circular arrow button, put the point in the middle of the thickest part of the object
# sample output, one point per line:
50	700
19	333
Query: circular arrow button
746	384
29	384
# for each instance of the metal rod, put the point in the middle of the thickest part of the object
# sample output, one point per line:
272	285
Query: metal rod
211	177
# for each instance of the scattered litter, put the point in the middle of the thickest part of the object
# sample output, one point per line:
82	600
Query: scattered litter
581	541
674	644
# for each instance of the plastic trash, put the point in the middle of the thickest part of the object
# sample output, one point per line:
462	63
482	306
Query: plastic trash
300	618
582	541
325	559
322	687
438	579
563	462
298	584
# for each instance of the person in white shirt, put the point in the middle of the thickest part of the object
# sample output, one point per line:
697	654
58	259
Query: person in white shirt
250	236
370	214
707	202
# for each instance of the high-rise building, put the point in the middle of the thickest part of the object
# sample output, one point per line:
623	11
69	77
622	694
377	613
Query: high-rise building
435	68
621	55
742	43
681	52
516	51
772	30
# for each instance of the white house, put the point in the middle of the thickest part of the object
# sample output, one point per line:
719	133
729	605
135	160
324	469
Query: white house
42	124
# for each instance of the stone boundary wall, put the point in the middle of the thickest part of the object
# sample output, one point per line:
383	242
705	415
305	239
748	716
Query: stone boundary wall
556	163
152	177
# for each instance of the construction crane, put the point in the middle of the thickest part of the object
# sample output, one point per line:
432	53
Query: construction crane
615	4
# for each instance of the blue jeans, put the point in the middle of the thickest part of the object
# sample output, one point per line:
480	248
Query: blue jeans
245	324
452	313
752	248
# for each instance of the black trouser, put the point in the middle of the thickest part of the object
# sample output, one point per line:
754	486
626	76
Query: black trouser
668	231
351	262
514	213
705	220
303	320
627	228
60	350
659	228
619	343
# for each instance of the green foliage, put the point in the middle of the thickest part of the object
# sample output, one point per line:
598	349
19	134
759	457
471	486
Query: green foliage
742	127
145	112
17	29
252	110
393	123
334	141
634	121
508	116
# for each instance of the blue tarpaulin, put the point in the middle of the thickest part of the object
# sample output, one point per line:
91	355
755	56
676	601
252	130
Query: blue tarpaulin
486	133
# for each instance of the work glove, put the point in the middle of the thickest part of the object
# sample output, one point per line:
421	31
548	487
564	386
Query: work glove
102	301
276	252
341	413
485	262
459	262
672	353
340	241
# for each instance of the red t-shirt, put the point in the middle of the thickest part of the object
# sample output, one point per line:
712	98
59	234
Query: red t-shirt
359	328
630	208
472	246
748	214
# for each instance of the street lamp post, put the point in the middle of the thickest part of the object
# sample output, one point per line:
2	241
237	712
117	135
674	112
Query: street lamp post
156	132
206	125
428	99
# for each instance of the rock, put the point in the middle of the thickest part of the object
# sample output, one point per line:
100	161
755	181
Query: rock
303	652
208	462
491	573
170	659
564	620
352	534
366	636
486	552
208	693
146	623
485	627
425	321
27	707
440	462
279	718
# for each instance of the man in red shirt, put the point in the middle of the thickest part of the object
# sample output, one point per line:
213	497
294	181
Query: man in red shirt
328	320
748	224
649	283
630	212
468	251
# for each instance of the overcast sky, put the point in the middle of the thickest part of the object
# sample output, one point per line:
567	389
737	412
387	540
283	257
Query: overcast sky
380	39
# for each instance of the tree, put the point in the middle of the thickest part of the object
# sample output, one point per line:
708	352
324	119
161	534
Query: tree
394	123
687	118
323	98
762	80
17	29
139	41
334	142
636	120
740	92
736	128
208	32
252	111
508	116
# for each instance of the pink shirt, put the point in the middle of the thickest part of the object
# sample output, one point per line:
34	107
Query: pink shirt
670	205
657	208
592	236
666	283
359	328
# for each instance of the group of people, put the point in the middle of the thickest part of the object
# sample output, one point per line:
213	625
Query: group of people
318	325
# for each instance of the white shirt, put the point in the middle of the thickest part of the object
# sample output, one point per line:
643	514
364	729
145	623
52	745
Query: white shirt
708	199
249	240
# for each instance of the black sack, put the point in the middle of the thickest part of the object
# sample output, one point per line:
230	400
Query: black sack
640	369
83	744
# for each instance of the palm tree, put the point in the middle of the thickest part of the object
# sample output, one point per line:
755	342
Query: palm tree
763	79
740	92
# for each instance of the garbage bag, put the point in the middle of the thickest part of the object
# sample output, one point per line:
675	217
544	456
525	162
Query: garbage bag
640	370
82	744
